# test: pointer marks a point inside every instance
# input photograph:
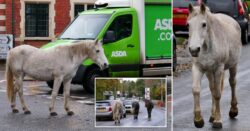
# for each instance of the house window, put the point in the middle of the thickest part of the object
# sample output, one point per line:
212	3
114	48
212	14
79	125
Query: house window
36	20
78	9
89	6
82	7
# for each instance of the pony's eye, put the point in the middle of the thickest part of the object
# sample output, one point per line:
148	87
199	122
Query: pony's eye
97	51
204	25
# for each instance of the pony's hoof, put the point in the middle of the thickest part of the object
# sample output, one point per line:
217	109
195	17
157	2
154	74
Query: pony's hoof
217	125
15	111
211	119
70	113
27	112
53	114
199	124
233	114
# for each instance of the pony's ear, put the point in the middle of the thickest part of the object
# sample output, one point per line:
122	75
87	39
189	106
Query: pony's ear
190	8
203	8
101	42
98	42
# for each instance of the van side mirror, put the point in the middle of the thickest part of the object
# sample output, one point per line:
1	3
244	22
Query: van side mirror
109	37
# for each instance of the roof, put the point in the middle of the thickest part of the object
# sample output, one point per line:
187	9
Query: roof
107	10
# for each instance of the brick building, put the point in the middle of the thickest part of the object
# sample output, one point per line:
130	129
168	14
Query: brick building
37	22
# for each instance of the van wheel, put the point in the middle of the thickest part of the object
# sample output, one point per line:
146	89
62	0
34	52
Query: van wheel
89	79
51	83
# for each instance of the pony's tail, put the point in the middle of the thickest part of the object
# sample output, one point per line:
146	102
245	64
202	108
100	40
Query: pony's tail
9	79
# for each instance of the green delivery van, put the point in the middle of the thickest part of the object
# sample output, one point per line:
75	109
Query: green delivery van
136	38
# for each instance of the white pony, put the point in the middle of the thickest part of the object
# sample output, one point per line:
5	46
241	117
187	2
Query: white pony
59	63
117	111
215	45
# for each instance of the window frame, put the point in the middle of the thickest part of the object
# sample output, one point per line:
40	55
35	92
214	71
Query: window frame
36	34
51	36
79	2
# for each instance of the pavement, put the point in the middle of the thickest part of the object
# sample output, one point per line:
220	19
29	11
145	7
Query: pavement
183	99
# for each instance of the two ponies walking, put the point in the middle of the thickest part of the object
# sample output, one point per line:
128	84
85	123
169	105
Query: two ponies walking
59	63
215	46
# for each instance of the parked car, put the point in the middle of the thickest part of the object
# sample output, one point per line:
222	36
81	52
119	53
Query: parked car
128	105
235	8
180	14
104	109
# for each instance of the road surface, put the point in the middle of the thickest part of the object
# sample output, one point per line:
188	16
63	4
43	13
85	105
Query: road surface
158	117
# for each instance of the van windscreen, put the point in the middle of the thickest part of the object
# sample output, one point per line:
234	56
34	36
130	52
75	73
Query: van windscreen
85	27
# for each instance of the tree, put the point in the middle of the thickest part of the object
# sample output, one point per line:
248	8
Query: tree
140	85
106	85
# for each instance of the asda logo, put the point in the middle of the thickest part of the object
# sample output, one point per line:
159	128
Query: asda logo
163	25
119	54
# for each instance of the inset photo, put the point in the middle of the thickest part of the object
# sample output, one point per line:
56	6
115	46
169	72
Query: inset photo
130	102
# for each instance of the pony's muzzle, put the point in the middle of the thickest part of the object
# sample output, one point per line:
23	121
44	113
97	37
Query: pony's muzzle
194	51
105	66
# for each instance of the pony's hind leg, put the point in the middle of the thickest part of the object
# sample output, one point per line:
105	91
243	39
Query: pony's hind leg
66	97
56	86
232	80
20	92
13	99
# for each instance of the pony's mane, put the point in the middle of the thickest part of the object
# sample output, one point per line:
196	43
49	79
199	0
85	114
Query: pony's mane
78	48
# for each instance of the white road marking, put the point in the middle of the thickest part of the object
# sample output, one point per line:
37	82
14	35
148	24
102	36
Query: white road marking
2	90
2	81
85	102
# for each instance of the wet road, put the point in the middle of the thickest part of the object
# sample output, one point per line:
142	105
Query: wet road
183	99
37	97
158	119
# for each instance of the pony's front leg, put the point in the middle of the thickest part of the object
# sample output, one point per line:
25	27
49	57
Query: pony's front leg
66	84
232	80
56	86
197	75
211	81
218	78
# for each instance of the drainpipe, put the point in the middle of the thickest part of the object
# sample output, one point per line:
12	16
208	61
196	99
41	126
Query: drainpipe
13	22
